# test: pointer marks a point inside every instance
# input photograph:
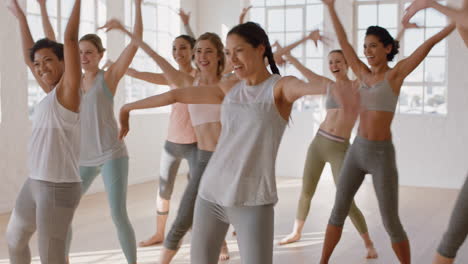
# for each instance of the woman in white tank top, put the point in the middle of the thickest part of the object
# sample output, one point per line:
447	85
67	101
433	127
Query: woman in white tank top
50	195
209	59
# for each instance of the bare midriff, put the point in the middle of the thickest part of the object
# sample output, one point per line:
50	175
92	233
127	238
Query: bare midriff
375	125
338	123
208	135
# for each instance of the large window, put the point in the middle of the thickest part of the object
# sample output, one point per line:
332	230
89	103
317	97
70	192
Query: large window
287	21
161	25
425	90
59	12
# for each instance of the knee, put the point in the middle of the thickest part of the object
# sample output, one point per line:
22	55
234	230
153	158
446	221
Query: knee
15	236
394	228
165	189
120	217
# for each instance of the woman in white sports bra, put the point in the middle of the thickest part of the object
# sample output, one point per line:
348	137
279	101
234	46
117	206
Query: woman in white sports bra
209	59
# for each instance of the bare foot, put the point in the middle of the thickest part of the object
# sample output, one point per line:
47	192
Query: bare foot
224	255
372	253
154	240
291	238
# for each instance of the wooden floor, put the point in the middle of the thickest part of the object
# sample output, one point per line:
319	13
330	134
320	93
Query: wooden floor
424	213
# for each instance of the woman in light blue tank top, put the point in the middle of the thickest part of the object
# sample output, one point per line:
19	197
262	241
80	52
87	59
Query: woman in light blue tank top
372	152
457	230
101	150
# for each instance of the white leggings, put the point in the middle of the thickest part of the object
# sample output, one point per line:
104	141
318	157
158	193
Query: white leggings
49	208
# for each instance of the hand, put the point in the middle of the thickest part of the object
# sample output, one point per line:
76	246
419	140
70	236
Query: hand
329	2
113	24
124	117
278	59
185	17
15	8
244	12
412	9
315	36
411	25
131	72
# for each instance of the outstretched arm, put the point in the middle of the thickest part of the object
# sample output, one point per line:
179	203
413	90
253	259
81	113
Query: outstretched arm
190	95
156	78
68	92
311	76
173	76
358	67
48	29
185	17
292	88
404	67
459	16
26	41
118	69
242	15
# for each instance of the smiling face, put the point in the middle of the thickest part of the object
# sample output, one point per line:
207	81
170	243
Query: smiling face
206	56
337	64
182	51
375	51
48	66
244	58
89	56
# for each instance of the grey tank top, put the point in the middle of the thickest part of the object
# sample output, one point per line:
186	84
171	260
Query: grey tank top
330	102
241	171
99	130
378	97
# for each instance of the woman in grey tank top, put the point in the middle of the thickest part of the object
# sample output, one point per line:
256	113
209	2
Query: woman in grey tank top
372	151
457	230
332	139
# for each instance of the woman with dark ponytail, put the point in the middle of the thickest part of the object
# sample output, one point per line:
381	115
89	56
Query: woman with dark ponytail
372	151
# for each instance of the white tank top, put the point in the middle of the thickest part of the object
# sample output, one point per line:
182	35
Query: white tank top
54	147
99	136
204	113
241	171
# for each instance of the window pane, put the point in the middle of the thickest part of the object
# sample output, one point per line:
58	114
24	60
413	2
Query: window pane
435	99
315	65
411	100
435	69
274	2
388	15
413	38
418	18
417	75
289	69
32	7
163	18
102	12
88	12
367	16
294	20
434	18
149	17
275	20
312	51
277	37
295	2
360	42
314	17
257	2
87	28
258	15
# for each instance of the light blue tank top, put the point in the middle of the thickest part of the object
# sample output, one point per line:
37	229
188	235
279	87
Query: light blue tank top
99	129
378	97
241	171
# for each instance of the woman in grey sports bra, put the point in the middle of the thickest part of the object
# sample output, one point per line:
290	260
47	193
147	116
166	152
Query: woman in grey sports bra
332	139
457	230
372	151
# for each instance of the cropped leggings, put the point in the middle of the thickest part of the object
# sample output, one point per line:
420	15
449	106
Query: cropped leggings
47	207
458	226
376	158
321	151
115	176
172	155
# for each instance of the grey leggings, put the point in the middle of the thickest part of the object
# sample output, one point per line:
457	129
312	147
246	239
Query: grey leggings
376	158
49	208
253	224
458	226
184	219
172	155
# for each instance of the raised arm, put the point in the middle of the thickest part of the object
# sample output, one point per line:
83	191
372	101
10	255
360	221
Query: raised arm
118	69
26	41
185	17
189	95
173	76
48	29
242	15
404	27
311	76
404	67
68	92
459	16
358	67
156	78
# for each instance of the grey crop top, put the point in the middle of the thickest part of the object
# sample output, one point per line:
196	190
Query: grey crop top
330	102
378	97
